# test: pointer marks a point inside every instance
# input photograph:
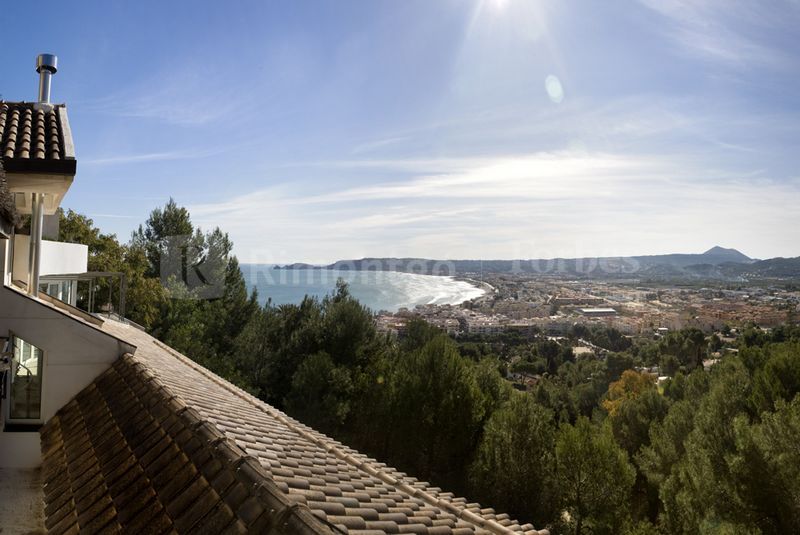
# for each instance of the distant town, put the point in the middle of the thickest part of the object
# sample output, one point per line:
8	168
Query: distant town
527	304
519	307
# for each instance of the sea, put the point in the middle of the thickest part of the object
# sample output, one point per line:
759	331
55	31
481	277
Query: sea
379	290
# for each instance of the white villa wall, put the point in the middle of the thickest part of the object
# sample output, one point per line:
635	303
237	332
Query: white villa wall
74	355
5	263
57	258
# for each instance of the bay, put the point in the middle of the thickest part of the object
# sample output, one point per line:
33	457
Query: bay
378	290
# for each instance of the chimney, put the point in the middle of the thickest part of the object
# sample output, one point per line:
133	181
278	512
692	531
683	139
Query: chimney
46	66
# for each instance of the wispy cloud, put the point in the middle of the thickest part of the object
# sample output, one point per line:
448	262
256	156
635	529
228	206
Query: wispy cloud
112	216
147	157
724	30
422	130
188	96
536	205
371	146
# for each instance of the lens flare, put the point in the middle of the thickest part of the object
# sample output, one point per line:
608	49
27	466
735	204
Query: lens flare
553	87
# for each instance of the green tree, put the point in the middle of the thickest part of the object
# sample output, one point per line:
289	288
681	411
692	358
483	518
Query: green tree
670	365
160	231
634	417
550	351
346	342
593	478
418	333
495	389
274	343
347	330
779	377
513	466
105	254
700	488
689	346
616	363
144	297
767	468
226	317
204	306
321	393
438	411
714	343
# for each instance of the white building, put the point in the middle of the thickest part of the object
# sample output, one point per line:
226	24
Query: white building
484	325
50	349
598	312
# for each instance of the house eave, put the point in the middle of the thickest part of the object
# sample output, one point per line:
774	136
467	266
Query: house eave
67	166
54	185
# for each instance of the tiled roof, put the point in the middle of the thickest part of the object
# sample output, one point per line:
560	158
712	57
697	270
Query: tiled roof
126	455
190	439
36	138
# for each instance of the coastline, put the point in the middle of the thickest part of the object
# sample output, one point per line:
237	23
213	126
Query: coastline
488	288
377	289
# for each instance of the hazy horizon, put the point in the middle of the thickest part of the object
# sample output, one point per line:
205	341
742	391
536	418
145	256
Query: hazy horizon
314	132
500	259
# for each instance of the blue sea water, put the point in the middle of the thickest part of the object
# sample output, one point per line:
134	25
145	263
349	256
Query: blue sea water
379	290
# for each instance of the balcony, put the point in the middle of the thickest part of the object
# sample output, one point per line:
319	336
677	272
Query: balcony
57	258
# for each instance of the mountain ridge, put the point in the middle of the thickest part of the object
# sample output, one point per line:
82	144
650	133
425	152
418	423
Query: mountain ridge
715	255
716	263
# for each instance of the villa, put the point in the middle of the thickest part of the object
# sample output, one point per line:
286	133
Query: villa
104	429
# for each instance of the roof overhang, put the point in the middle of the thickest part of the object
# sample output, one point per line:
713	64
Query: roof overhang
29	165
53	185
39	154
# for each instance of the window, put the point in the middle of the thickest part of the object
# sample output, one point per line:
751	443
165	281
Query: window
61	290
25	382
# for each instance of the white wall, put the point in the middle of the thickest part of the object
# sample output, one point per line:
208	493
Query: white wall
20	450
74	354
5	260
57	258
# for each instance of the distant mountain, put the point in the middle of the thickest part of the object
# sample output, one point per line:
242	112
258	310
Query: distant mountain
714	256
669	266
774	268
720	254
298	265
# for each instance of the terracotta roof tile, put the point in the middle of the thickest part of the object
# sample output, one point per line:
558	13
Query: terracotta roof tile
211	457
35	138
125	456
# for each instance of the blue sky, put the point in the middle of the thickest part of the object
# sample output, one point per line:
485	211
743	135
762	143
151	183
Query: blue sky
316	131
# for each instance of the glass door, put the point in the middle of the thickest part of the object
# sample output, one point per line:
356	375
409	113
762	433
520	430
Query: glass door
25	383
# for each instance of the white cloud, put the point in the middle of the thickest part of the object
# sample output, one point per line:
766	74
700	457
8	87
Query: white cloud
374	145
723	30
191	95
146	157
537	205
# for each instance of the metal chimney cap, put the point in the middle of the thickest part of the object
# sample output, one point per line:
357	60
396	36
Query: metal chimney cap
48	62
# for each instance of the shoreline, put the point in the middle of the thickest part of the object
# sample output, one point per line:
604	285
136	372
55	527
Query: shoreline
261	277
488	288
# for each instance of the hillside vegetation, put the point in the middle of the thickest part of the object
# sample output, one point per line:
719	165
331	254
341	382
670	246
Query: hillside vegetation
595	447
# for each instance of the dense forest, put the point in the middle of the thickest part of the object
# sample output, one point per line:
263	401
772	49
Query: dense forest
595	446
